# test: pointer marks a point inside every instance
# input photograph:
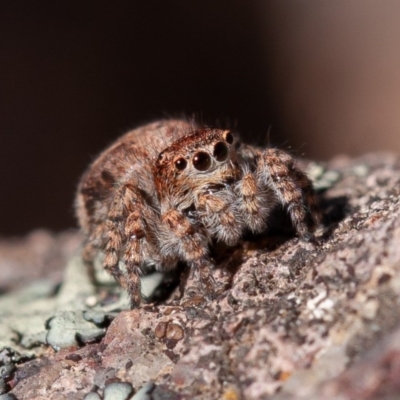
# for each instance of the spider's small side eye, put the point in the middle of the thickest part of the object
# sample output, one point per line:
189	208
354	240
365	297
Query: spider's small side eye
202	161
229	138
180	164
221	151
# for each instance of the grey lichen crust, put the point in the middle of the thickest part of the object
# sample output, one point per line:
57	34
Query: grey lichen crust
34	316
296	321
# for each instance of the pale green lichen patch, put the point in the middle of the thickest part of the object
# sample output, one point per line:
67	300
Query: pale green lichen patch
23	315
69	328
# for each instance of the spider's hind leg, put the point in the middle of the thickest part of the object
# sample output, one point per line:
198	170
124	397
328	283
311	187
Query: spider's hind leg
128	239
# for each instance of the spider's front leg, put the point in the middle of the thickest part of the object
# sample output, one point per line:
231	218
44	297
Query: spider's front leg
255	200
187	240
276	169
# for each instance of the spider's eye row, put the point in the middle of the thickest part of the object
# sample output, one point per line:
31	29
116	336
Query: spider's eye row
221	151
202	161
229	138
180	164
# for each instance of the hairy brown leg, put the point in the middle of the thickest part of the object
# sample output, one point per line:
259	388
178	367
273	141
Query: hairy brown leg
254	201
190	243
293	189
126	239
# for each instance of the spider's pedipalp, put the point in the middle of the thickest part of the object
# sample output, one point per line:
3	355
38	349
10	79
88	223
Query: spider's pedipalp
220	214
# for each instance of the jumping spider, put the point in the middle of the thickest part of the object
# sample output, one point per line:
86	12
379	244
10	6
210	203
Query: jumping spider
164	192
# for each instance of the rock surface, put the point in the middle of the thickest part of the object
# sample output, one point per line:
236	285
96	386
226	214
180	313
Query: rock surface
295	321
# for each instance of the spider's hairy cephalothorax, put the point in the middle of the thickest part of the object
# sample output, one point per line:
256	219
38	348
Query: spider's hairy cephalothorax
164	192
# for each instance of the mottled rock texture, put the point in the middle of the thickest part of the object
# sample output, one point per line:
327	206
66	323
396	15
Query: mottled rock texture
295	321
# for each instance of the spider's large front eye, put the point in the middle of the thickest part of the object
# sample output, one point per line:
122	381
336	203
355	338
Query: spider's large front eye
180	164
202	161
221	151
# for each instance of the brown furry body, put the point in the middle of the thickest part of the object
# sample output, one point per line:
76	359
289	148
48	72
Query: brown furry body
163	192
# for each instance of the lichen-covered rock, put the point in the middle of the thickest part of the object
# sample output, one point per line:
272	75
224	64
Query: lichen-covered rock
297	320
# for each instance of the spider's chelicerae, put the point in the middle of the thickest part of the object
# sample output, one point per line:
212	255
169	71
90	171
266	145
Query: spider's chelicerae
164	192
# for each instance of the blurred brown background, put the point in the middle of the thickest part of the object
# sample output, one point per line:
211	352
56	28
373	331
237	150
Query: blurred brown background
322	76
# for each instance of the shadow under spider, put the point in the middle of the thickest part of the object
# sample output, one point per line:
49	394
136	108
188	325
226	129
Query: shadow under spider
333	210
171	280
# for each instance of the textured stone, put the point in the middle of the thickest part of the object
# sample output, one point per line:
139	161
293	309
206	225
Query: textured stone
118	391
145	392
92	396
